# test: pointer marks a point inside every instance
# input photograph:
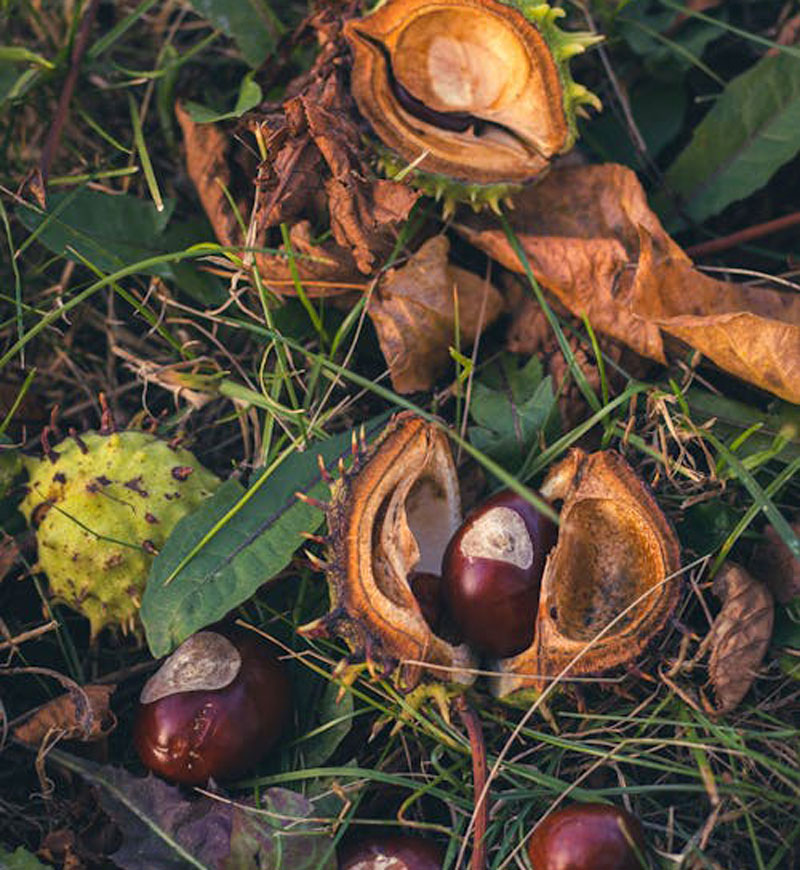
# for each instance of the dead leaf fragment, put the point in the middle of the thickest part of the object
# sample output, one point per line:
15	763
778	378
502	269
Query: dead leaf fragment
82	714
753	333
414	314
160	827
777	566
594	243
739	635
207	150
316	172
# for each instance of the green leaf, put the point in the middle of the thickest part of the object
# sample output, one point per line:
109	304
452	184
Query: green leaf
250	23
17	54
218	556
746	137
511	407
667	54
114	231
249	97
109	231
658	109
20	859
331	722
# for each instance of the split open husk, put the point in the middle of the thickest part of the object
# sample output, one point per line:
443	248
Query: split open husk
610	582
391	513
469	91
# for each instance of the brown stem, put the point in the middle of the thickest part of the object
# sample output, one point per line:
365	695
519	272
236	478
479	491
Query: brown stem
28	635
742	236
471	721
60	118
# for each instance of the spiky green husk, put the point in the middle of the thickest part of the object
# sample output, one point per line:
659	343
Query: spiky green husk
449	191
105	504
564	45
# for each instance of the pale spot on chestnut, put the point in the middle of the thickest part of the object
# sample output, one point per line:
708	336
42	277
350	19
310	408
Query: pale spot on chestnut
206	661
499	534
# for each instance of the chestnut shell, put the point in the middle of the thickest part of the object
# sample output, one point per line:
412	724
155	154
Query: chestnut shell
190	736
391	852
610	583
588	837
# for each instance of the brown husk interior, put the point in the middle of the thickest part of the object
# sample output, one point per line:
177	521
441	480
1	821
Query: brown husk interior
609	584
391	513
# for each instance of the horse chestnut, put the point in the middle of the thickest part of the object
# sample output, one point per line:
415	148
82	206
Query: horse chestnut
215	706
391	852
427	589
491	573
588	837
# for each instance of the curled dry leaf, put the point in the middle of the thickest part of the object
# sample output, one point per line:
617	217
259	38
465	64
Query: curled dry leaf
315	172
413	311
740	634
594	243
82	714
777	566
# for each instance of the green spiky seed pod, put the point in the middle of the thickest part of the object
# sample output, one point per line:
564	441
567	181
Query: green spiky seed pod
103	505
468	99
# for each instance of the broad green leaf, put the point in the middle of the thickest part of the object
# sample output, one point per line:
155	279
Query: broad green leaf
249	97
114	231
751	132
109	231
163	830
250	23
20	859
511	406
667	54
241	538
658	109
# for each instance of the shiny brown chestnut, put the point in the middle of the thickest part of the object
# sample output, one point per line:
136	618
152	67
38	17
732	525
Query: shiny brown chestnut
491	573
427	589
588	837
391	852
213	709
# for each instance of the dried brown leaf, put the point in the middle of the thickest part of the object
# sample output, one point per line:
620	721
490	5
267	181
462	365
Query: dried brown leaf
775	564
594	243
578	230
207	149
753	333
316	171
739	635
82	714
413	312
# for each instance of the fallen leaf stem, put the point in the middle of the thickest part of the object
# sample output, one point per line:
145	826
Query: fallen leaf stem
471	721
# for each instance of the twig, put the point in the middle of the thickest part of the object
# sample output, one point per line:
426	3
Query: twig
28	635
60	118
471	721
742	236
